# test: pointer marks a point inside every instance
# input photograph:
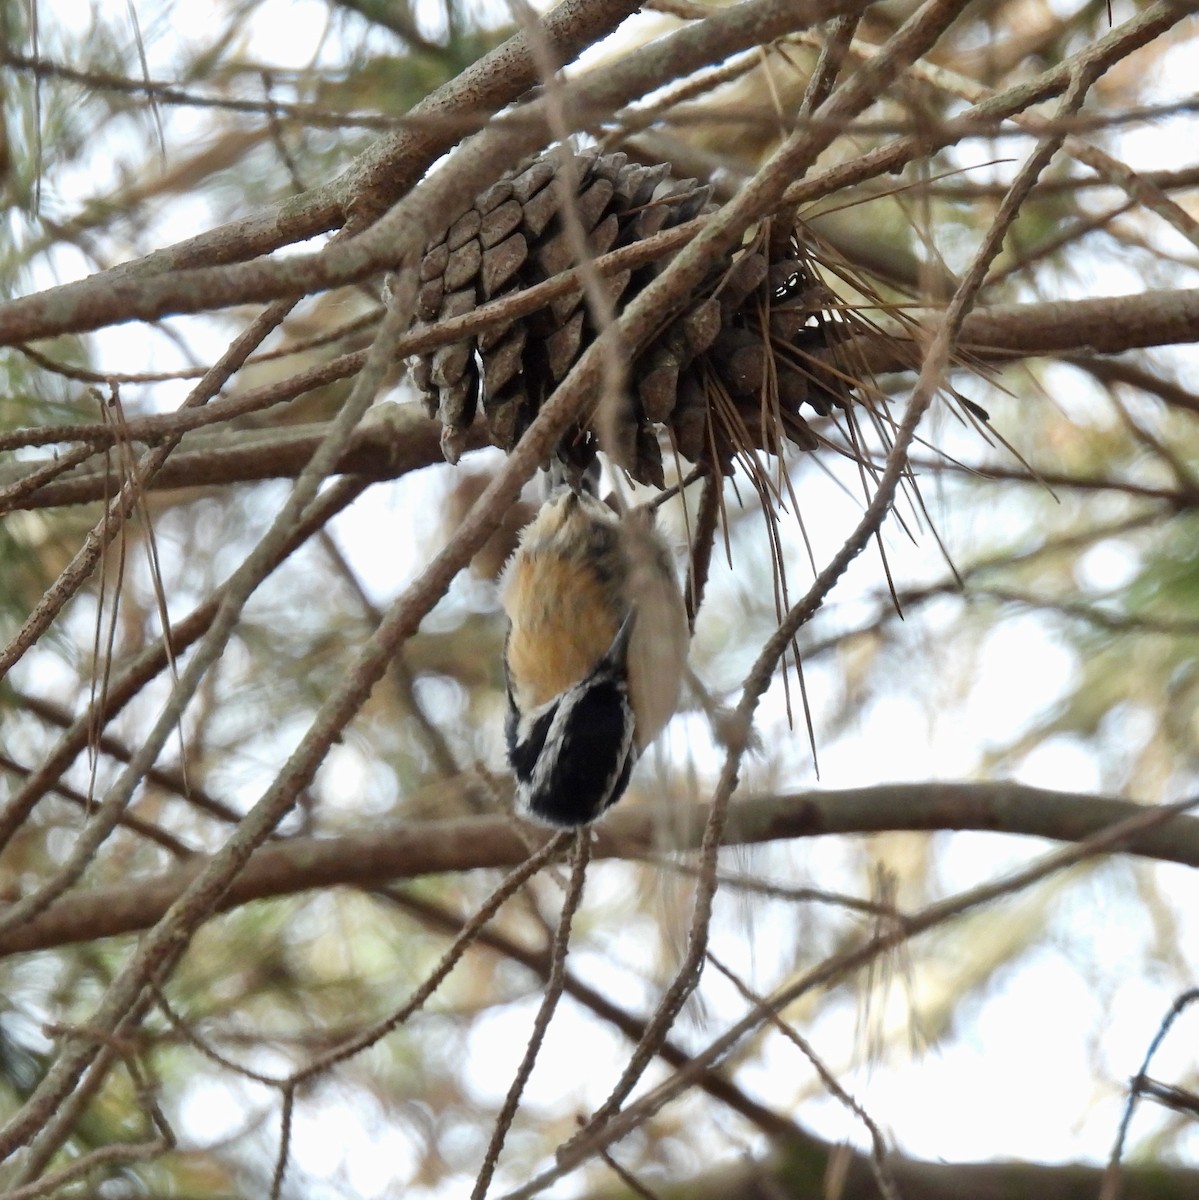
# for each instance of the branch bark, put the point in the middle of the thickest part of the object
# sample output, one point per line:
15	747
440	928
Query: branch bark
405	440
802	1170
410	851
133	293
399	439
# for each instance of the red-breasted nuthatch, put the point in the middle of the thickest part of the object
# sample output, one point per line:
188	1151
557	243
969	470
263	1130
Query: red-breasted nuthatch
596	648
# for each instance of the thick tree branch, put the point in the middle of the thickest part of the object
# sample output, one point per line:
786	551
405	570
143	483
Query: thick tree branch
394	162
1107	325
114	296
406	440
409	851
802	1171
399	439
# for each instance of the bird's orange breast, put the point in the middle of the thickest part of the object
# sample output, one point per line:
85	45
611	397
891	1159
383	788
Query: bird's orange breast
561	624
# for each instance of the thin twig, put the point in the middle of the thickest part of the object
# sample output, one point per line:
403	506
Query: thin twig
545	1013
1111	1176
878	1158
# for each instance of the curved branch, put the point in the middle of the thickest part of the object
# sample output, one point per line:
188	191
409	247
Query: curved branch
394	162
135	293
409	851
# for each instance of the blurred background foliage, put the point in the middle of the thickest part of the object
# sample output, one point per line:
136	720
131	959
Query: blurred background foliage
1068	657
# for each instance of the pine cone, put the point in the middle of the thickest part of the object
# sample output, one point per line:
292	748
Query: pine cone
732	371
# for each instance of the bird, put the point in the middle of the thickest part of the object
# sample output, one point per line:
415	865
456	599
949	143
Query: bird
595	653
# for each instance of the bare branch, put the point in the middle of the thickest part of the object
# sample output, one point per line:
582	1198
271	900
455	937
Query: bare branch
411	851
